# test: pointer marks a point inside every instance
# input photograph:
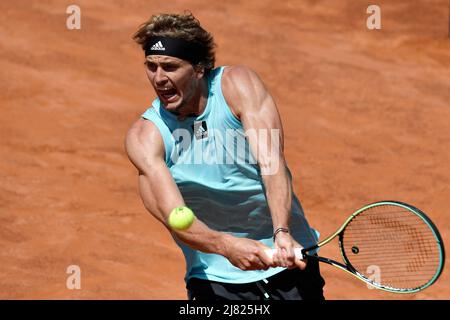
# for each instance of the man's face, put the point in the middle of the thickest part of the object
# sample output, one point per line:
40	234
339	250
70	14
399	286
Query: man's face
175	81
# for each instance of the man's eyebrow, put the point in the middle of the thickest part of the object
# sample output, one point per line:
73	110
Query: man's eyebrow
169	63
162	62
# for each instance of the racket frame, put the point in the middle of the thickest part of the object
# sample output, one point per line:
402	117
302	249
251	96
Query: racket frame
347	267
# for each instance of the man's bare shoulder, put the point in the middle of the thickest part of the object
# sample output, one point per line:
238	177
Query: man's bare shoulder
239	84
143	140
143	131
238	74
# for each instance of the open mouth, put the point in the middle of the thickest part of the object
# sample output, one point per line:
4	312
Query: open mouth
168	94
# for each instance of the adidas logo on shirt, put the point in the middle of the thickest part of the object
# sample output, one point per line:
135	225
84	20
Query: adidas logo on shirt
158	46
200	130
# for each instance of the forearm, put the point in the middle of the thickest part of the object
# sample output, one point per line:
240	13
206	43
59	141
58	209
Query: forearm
279	196
204	239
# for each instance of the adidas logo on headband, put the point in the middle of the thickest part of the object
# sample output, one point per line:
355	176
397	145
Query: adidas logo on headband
175	47
158	46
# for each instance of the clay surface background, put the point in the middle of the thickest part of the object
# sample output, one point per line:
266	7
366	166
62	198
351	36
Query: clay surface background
366	117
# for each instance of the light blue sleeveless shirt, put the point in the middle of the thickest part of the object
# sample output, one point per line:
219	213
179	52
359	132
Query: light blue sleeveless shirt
220	181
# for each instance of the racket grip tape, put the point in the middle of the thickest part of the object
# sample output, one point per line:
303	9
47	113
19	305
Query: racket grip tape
297	251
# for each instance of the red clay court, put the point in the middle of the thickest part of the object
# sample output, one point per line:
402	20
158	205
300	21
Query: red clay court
366	117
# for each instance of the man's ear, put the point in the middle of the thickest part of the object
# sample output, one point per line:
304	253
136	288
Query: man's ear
199	71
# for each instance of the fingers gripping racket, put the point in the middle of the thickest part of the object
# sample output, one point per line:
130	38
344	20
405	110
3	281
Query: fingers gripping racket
391	245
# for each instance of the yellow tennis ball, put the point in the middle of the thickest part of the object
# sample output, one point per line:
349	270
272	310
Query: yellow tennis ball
181	218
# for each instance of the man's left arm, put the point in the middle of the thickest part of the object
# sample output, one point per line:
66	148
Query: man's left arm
250	101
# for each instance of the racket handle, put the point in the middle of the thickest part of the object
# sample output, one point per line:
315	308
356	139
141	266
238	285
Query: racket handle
297	251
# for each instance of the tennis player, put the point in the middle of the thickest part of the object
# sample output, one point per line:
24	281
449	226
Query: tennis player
213	141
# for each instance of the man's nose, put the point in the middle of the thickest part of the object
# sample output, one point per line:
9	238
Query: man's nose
160	76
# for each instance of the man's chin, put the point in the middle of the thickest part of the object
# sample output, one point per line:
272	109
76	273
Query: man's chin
172	107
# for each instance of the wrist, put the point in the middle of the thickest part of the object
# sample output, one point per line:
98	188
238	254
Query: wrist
280	225
278	231
224	244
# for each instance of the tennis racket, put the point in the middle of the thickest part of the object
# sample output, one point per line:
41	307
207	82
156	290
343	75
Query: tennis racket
390	245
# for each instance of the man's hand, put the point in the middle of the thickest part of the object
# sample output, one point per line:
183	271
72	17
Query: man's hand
285	256
247	254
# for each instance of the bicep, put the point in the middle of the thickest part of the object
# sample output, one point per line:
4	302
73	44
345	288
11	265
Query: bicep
159	192
157	188
262	116
259	116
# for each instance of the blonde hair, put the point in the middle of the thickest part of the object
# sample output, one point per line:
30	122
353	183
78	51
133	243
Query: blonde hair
183	26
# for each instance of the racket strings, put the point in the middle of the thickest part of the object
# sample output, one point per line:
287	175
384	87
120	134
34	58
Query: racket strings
392	246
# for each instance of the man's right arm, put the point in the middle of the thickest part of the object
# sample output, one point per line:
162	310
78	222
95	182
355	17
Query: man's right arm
160	194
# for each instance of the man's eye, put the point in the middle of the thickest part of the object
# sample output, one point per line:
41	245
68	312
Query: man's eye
151	66
170	67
